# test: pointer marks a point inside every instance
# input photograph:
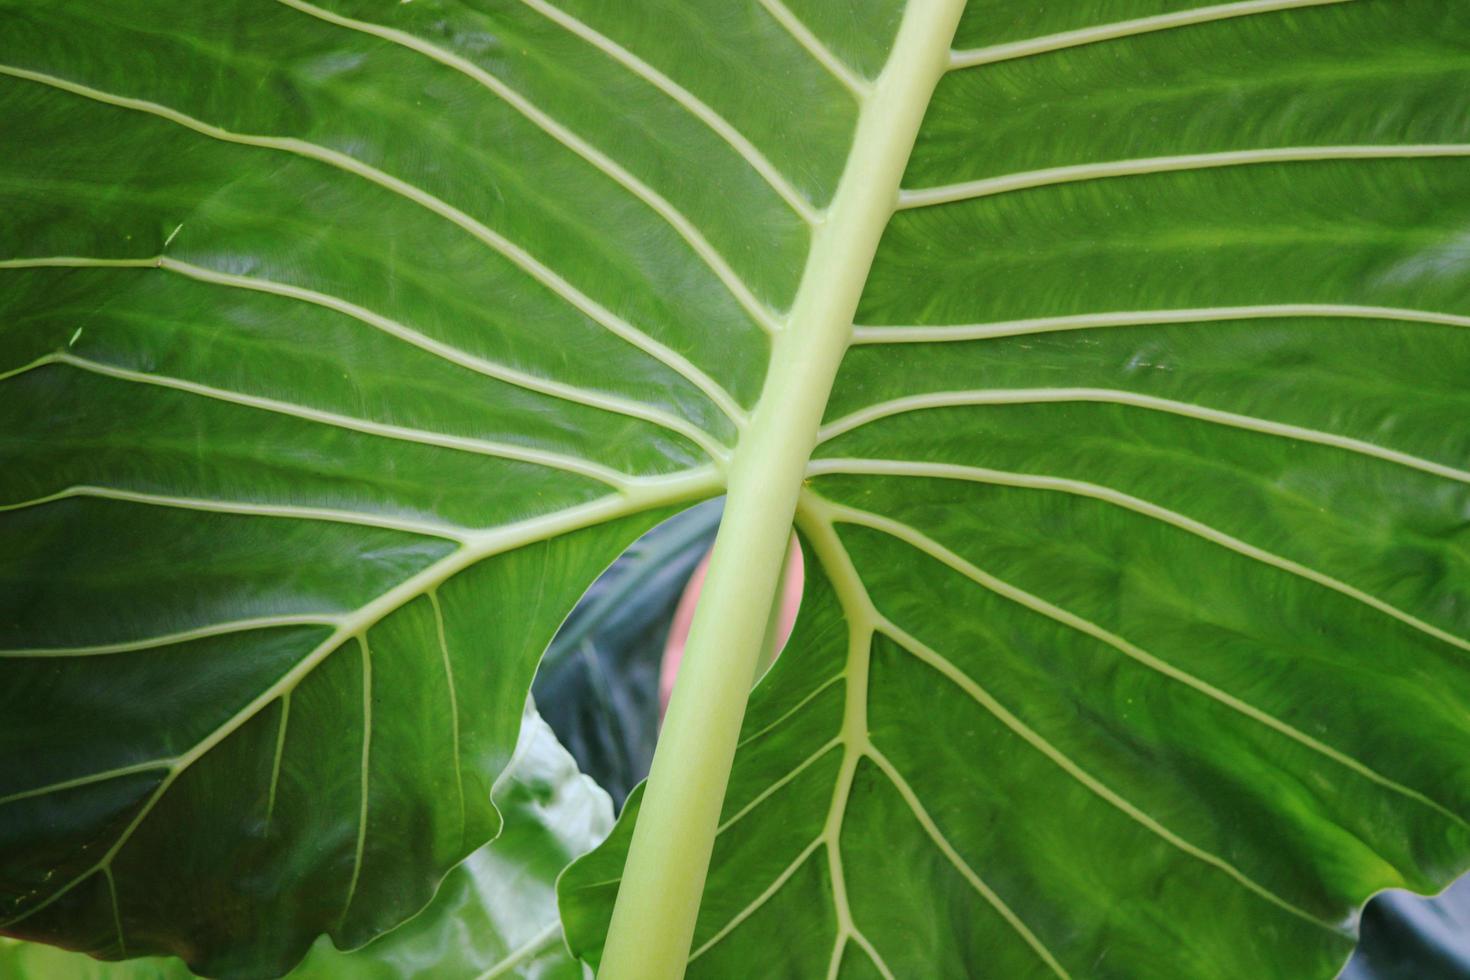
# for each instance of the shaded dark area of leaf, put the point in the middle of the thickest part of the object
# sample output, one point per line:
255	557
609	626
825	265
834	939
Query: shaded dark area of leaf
598	685
494	915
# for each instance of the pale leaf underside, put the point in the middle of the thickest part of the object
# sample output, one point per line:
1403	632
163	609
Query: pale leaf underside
345	343
1140	506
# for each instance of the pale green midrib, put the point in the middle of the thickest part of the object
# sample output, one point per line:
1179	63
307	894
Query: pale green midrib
926	545
1121	29
515	254
765	793
399	331
759	311
1117	498
691	485
690	103
1029	396
1053	176
960	332
661	888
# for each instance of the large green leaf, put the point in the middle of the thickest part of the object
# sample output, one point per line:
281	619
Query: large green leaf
1143	504
308	449
494	915
344	345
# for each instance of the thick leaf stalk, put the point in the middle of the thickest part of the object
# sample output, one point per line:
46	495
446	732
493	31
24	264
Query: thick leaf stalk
658	901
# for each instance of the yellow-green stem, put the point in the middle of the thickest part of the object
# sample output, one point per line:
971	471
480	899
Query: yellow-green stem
658	901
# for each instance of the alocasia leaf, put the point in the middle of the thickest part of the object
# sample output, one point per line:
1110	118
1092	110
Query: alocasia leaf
344	344
1142	503
493	916
308	449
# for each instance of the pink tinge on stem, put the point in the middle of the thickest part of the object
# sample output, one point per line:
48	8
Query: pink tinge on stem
791	586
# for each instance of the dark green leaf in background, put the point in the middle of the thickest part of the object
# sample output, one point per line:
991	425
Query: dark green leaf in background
598	685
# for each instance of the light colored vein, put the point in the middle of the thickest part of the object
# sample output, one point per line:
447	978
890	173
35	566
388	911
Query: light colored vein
761	313
518	256
367	742
766	793
976	474
1029	396
524	951
983	698
16	372
122	943
1128	28
447	352
856	609
245	508
834	959
736	140
678	488
759	900
873	956
791	712
1144	318
482	447
835	66
69	261
433	596
927	196
928	546
600	884
170	639
921	814
87	780
277	758
817	519
839	944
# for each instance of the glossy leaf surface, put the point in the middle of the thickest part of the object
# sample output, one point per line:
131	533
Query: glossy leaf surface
1142	503
309	448
345	344
494	915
